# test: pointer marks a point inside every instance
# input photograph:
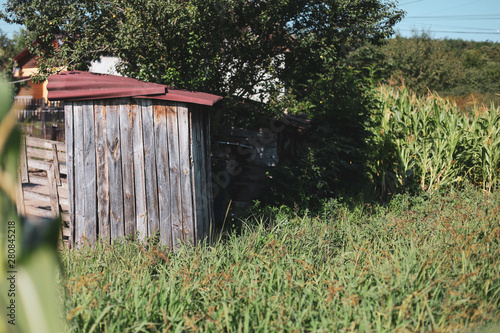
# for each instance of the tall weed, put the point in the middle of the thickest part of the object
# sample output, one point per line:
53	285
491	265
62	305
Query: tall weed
420	264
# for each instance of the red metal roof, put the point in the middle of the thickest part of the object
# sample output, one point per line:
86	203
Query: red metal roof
78	85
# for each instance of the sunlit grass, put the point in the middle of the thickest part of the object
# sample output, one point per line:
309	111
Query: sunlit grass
420	264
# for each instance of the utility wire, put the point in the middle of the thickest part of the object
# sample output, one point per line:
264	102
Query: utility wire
463	5
460	32
452	26
12	82
407	3
461	17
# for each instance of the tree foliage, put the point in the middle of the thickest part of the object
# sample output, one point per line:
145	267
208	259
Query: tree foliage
9	48
421	63
222	46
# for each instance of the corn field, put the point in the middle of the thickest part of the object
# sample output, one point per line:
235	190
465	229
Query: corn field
427	143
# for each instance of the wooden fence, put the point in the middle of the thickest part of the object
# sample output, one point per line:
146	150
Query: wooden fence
40	118
43	186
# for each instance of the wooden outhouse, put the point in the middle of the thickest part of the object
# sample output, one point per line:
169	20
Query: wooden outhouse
138	158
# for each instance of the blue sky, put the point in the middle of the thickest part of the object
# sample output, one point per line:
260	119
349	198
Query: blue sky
477	20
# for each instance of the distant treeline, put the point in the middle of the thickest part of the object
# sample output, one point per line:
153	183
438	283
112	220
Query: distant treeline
452	68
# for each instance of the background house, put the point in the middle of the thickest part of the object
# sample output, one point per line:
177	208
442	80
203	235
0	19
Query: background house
25	68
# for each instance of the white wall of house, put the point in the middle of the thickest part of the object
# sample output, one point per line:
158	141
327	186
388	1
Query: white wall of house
265	83
105	65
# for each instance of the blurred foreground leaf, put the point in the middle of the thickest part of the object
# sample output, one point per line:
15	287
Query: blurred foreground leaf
28	281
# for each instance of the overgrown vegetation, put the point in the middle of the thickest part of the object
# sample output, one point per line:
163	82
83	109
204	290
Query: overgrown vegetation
334	154
426	143
452	68
420	264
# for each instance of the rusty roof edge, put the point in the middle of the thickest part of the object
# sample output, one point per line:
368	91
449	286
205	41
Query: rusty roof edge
79	85
183	99
102	93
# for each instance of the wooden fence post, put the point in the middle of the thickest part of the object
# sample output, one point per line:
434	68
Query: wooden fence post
43	115
54	196
21	210
23	163
54	202
55	164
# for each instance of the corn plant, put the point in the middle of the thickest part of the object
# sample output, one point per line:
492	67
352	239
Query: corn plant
434	143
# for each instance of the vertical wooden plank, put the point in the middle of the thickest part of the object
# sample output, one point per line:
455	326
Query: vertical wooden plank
115	170
54	196
203	172
162	173
44	128
127	152
102	172
21	210
139	172
208	169
150	167
192	153
55	164
90	172
174	176
79	173
197	164
23	162
185	173
54	201
68	124
206	172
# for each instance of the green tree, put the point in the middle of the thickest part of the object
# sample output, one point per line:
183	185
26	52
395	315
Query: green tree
450	67
423	63
222	46
7	49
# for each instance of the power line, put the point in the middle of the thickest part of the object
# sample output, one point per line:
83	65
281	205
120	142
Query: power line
407	3
450	26
460	32
13	82
463	5
461	17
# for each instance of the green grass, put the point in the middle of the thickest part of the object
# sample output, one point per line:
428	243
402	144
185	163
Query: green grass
428	263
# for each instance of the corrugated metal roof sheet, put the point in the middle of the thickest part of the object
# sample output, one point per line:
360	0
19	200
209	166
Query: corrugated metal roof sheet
78	85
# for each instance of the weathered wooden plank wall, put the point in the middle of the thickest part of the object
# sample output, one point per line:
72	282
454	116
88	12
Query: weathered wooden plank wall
127	154
102	172
153	216
139	171
43	190
89	152
162	173
70	153
79	171
186	184
139	166
198	167
175	181
115	185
